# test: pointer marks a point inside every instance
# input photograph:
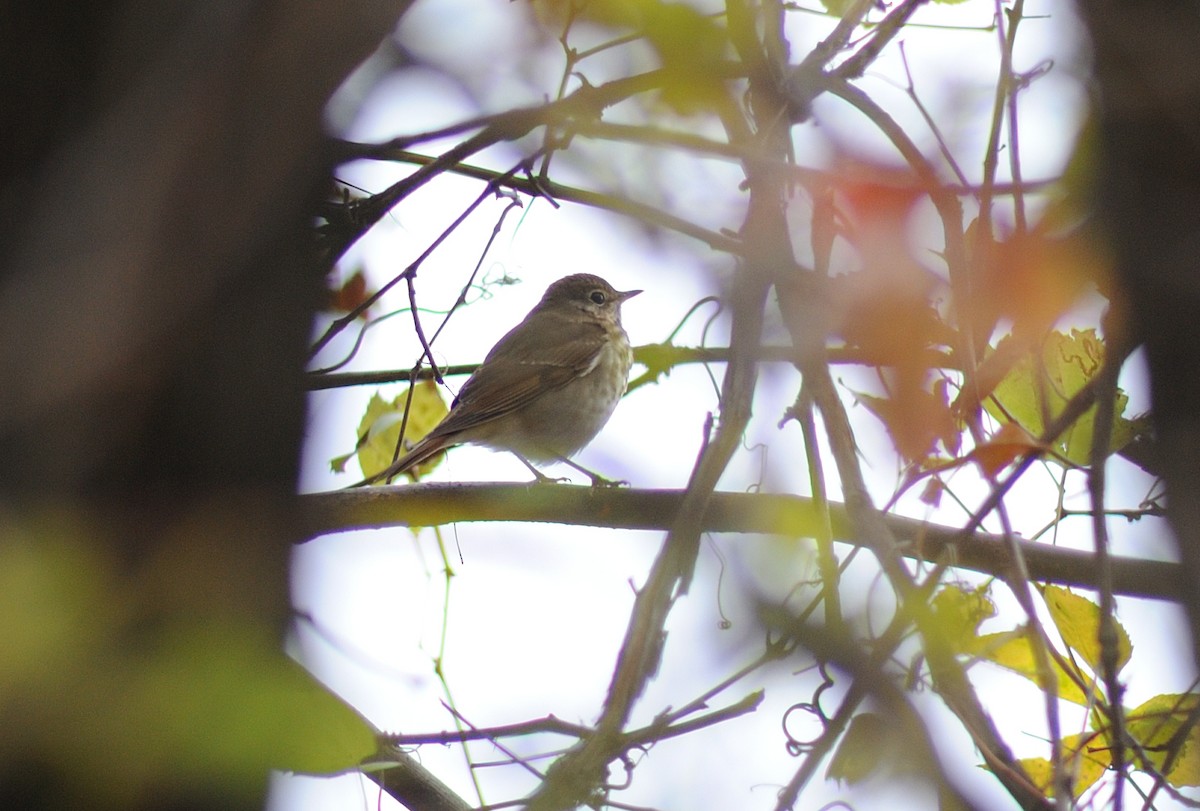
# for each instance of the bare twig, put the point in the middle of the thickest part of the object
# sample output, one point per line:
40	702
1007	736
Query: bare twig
657	358
885	32
1109	649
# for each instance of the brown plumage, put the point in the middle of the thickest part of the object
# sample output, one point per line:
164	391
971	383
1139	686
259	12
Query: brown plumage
547	387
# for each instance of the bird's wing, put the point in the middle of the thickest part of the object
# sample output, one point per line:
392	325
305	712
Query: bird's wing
534	358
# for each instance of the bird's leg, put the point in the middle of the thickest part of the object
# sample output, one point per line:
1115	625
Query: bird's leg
539	476
597	479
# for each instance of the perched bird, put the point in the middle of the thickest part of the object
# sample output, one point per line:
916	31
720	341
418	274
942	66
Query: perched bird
547	387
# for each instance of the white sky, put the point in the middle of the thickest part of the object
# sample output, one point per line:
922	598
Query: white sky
536	613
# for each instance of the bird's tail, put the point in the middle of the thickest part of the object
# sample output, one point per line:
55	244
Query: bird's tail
423	451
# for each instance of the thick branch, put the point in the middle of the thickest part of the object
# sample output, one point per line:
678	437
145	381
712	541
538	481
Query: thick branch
435	504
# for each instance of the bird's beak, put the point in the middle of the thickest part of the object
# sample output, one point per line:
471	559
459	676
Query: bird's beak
628	294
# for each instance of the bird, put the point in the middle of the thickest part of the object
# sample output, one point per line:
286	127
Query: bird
546	388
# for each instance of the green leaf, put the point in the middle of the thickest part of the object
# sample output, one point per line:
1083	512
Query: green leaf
862	750
338	463
1078	620
122	685
1068	363
691	46
226	702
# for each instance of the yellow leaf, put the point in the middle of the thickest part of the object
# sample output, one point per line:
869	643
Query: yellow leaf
379	430
1011	650
957	613
1078	620
1032	389
690	45
1156	723
1086	763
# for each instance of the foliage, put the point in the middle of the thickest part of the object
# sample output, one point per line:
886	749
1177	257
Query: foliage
976	345
170	695
387	426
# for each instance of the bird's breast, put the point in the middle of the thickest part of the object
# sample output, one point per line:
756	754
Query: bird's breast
561	422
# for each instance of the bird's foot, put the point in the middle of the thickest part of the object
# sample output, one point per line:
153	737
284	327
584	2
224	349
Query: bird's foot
599	481
541	478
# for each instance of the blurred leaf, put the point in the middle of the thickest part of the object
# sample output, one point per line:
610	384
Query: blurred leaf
691	46
958	613
888	306
1086	763
1078	620
379	429
1033	278
916	419
888	309
931	494
350	295
1072	199
1155	723
56	602
1068	362
111	678
1011	650
889	316
1006	446
225	702
862	751
836	7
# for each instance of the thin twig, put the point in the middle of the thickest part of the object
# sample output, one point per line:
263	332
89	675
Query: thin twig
885	32
1102	424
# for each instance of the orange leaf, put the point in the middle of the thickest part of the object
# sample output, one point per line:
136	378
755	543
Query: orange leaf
1006	446
352	294
915	418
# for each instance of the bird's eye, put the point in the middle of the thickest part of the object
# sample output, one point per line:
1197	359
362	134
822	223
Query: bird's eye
597	296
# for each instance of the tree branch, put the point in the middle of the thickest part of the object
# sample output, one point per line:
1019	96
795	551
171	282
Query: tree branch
404	779
422	505
658	358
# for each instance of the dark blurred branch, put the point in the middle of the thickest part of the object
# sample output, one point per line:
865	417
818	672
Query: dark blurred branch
881	35
1148	172
588	102
544	187
646	135
160	163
